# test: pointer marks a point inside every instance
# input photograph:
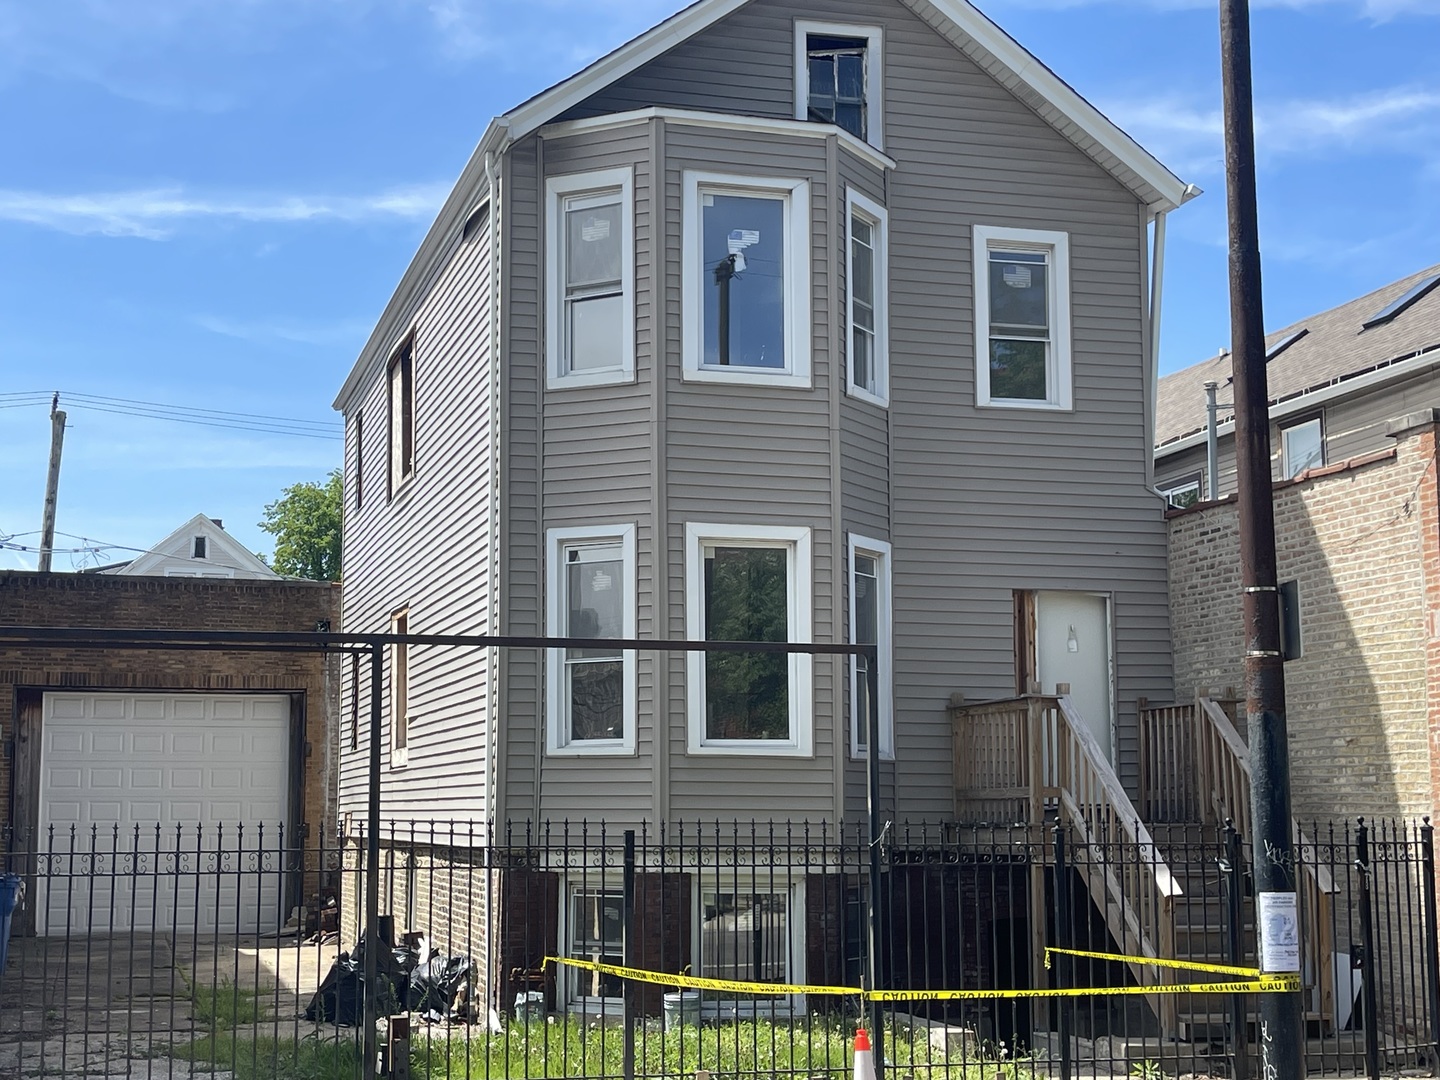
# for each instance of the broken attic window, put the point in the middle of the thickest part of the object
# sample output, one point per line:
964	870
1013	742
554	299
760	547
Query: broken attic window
836	68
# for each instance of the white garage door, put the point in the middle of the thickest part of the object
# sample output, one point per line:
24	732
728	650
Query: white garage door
165	796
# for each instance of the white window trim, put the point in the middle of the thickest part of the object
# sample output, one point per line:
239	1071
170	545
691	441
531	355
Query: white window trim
746	1005
399	655
1194	479
1059	375
856	203
796	540
1285	430
881	552
874	72
557	188
569	1002
798	304
558	743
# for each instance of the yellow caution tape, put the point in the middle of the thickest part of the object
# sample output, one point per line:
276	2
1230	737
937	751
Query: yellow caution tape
1258	984
1153	961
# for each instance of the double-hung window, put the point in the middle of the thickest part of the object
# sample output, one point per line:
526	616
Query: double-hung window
837	77
590	294
746	277
1022	318
400	383
748	583
591	594
870	625
595	931
867	302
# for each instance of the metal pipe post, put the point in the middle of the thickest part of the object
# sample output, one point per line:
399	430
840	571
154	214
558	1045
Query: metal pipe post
372	879
1211	487
1369	999
1061	884
1432	935
1233	873
876	832
1281	1056
627	952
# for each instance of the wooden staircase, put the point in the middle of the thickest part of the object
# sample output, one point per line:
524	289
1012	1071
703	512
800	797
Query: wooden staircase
1032	760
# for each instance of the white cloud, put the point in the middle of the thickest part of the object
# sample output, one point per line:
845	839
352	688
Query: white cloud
1190	137
349	332
154	214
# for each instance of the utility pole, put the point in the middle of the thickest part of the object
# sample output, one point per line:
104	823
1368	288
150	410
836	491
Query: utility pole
52	483
1276	912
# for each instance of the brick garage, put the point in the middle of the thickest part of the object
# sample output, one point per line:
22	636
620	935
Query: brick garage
181	604
1362	539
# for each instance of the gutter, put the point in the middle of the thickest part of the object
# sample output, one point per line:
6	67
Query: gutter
1305	400
1157	288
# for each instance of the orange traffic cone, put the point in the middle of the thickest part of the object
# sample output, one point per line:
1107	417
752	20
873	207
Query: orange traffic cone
864	1062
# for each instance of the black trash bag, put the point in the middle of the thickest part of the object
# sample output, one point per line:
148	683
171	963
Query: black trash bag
435	984
341	998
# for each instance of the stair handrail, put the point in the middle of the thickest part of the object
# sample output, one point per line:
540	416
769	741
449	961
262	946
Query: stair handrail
1144	891
1225	766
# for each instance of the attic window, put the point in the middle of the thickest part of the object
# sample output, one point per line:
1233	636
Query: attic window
1395	307
199	550
1285	343
837	77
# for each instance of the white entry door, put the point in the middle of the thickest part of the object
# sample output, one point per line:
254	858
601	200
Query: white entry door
151	812
1072	645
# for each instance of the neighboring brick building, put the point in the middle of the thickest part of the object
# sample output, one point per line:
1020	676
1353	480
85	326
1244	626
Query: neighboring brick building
132	739
1361	538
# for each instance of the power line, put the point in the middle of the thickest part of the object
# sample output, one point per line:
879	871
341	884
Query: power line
260	423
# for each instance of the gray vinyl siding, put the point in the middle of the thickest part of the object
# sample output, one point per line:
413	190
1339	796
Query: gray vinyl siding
977	502
755	456
596	458
428	548
1352	426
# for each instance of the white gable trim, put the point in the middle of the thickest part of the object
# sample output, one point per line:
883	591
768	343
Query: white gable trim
762	125
636	53
1074	108
222	551
962	15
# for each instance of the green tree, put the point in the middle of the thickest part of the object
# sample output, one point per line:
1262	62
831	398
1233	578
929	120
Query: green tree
305	522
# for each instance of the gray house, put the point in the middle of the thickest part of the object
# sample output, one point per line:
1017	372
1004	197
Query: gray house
1336	379
817	320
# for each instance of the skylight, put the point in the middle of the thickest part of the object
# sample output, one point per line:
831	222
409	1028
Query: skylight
1285	343
1395	307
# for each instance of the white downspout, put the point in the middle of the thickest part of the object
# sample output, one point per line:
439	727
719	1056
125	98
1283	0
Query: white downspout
1157	288
492	180
492	720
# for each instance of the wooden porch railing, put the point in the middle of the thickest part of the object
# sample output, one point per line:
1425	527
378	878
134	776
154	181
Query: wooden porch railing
1196	767
1031	759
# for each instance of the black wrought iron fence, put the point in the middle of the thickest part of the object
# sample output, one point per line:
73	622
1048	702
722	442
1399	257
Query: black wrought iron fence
144	951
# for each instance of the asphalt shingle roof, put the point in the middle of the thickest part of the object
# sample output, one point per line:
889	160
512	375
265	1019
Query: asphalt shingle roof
1333	349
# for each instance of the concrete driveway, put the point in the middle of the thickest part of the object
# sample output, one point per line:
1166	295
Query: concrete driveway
111	1005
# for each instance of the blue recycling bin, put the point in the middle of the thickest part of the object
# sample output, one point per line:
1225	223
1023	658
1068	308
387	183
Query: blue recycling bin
9	890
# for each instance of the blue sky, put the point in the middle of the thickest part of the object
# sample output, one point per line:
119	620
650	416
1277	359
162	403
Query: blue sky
206	203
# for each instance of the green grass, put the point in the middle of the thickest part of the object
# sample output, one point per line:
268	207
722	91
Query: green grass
225	1006
266	1058
569	1048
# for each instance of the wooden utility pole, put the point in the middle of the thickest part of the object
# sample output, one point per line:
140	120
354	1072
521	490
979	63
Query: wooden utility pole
1276	910
52	483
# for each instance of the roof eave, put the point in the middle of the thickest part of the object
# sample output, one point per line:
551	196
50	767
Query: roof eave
453	211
